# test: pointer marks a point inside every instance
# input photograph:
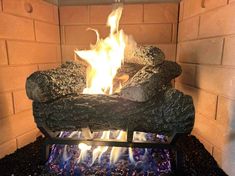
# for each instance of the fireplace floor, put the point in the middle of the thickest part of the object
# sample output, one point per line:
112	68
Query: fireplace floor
29	160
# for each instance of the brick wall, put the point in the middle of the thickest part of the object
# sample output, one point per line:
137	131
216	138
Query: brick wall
28	42
148	23
205	50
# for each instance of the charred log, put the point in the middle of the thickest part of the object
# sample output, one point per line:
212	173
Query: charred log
48	85
149	81
70	78
170	112
145	55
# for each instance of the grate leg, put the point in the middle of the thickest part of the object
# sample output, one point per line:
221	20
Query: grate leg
45	151
178	157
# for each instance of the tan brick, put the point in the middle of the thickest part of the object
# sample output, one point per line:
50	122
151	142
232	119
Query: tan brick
41	10
149	33
56	14
27	138
0	6
181	14
204	102
208	146
21	101
14	77
99	13
6	105
58	49
218	22
17	7
28	53
13	27
217	154
16	125
161	13
3	53
210	130
7	148
188	74
207	51
46	12
169	51
68	51
229	52
79	35
216	79
194	7
132	13
226	112
74	15
145	34
174	33
47	32
186	32
48	66
62	35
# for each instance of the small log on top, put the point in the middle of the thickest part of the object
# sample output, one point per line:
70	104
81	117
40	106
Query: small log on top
169	112
145	55
149	81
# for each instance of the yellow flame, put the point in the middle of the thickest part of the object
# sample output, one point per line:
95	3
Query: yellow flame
105	57
98	151
117	151
83	151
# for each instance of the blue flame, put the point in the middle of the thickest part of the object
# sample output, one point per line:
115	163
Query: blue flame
63	160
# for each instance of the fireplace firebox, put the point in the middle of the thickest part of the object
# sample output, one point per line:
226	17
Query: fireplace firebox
117	87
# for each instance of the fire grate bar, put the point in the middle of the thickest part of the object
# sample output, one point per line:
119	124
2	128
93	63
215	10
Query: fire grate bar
51	139
109	143
114	143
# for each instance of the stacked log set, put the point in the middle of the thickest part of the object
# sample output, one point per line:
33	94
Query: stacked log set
147	102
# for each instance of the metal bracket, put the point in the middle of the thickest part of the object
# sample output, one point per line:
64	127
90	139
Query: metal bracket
52	138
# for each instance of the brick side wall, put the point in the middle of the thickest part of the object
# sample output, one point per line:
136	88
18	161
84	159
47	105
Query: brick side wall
154	24
205	49
28	42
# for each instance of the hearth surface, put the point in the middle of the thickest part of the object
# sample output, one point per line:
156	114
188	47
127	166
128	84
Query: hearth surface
29	160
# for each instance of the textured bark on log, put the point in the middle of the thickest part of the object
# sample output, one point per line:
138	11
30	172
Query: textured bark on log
70	78
171	111
149	81
48	85
145	55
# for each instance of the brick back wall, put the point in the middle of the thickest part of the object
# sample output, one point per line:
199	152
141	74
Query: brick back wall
154	24
28	42
205	50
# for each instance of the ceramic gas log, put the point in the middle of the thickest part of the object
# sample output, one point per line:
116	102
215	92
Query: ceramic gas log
146	102
165	113
143	83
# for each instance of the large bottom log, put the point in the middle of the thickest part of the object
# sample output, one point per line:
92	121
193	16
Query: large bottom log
171	112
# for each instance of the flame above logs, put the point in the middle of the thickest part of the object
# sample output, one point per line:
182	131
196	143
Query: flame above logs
70	78
162	110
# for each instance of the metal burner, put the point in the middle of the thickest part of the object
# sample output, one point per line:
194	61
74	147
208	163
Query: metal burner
53	138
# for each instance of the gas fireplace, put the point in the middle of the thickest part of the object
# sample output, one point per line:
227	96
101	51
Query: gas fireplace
129	87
